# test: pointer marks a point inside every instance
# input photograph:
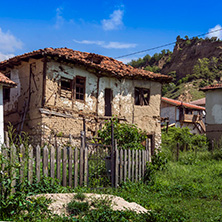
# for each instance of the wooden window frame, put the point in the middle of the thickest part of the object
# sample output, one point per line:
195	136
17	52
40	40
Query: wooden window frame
139	98
76	94
73	88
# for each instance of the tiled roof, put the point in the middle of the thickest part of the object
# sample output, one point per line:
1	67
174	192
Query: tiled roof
199	102
6	81
179	103
102	64
212	87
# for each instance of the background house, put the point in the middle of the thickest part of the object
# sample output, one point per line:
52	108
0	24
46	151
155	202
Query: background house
60	89
5	85
183	114
214	111
199	102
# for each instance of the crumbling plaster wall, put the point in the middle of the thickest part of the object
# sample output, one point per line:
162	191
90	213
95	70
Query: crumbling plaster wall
93	108
25	99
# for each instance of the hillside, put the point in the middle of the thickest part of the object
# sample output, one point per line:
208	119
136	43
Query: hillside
194	63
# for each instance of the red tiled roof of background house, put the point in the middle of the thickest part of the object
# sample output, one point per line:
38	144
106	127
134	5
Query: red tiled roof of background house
199	102
179	103
211	87
102	64
6	81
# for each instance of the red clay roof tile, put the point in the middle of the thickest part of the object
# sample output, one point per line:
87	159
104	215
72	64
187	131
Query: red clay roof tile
102	64
212	87
6	81
179	103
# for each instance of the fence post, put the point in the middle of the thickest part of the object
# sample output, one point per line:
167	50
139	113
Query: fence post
52	163
116	164
75	167
112	156
22	162
12	161
30	164
70	155
45	161
37	166
81	161
64	166
58	163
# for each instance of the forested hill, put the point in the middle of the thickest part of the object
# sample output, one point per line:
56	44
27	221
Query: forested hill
193	63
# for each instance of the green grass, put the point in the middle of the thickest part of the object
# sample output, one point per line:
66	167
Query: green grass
192	192
187	190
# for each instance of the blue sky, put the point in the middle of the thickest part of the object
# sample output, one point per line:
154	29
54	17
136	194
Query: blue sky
110	28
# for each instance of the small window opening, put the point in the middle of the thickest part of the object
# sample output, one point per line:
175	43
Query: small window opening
6	94
66	84
80	87
142	96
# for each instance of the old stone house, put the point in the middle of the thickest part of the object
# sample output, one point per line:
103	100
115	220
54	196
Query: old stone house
214	111
59	88
181	114
5	85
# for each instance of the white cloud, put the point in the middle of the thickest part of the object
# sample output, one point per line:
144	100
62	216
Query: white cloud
115	20
108	45
5	56
59	18
8	42
215	33
127	60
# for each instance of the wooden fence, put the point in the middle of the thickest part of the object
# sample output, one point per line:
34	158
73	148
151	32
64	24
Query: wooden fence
71	166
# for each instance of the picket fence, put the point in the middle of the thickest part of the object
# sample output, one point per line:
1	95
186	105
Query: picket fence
71	166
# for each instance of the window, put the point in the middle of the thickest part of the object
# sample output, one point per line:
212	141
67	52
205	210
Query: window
73	88
66	84
6	94
6	90
80	88
108	102
142	96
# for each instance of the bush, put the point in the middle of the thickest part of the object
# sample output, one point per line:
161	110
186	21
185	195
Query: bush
128	136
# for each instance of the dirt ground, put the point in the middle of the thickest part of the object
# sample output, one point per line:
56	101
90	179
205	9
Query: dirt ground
60	201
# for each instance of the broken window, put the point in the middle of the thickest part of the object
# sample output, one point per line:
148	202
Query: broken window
73	88
66	84
80	88
66	87
142	96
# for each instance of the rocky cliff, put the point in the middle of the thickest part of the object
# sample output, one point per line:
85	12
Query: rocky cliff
187	52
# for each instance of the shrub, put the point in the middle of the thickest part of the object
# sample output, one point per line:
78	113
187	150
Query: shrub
128	136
